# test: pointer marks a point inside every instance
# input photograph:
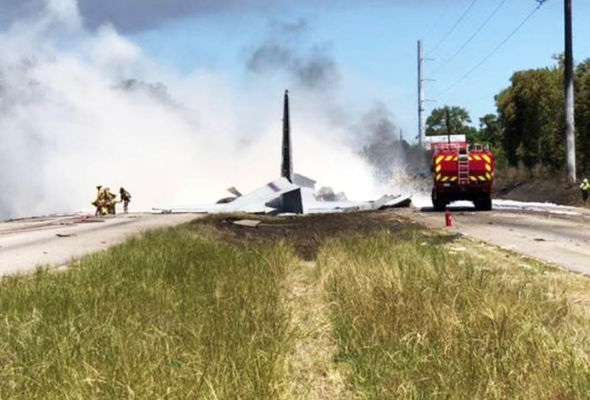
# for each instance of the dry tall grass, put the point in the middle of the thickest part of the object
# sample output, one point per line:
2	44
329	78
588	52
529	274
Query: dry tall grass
178	314
415	322
172	315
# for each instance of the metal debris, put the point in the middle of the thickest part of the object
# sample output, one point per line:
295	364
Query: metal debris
249	223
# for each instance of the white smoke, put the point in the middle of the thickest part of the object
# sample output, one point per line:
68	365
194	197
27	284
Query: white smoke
67	124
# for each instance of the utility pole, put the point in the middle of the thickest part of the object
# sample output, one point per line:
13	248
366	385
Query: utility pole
570	139
421	99
448	123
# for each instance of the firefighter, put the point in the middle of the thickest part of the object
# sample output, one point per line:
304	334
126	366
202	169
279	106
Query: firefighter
585	187
110	201
100	201
125	199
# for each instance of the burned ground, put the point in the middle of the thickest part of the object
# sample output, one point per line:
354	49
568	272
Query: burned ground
307	233
552	190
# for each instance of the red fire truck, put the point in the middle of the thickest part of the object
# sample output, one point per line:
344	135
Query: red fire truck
462	172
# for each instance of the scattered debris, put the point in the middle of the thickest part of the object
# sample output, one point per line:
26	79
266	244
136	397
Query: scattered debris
290	194
326	193
225	200
234	191
87	219
249	223
306	234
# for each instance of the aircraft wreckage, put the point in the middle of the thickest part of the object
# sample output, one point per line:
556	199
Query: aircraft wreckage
290	194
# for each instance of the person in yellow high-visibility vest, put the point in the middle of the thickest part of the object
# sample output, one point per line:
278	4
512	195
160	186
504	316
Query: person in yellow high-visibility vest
585	186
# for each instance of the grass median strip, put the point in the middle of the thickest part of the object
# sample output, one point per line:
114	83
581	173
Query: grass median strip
346	306
414	321
169	315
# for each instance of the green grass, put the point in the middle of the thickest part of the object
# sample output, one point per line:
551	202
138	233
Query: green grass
179	314
172	315
416	322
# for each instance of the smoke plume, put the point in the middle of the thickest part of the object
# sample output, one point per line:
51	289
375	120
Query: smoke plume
310	68
373	135
83	107
395	162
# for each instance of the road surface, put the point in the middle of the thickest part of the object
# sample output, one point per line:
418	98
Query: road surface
549	233
56	241
555	234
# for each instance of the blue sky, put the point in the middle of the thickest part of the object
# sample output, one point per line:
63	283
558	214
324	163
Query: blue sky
375	44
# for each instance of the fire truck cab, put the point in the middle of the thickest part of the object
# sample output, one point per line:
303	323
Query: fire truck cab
462	171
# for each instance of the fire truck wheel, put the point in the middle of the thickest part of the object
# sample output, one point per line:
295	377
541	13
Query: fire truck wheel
438	203
484	204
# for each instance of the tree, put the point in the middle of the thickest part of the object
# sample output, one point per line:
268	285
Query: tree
490	130
450	121
531	113
530	124
582	97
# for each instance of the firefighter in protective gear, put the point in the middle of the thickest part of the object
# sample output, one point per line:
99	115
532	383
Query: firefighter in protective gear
101	201
110	201
585	187
125	199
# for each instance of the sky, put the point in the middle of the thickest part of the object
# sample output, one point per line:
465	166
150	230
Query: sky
374	45
177	100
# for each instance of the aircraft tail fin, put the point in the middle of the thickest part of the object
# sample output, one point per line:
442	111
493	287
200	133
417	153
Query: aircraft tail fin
287	152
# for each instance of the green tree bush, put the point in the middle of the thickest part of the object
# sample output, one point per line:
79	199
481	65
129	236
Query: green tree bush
450	120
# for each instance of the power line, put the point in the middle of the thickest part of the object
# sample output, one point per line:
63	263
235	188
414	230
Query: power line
477	31
445	37
502	43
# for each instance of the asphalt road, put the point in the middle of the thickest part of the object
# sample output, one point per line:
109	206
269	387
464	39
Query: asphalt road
56	241
553	234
